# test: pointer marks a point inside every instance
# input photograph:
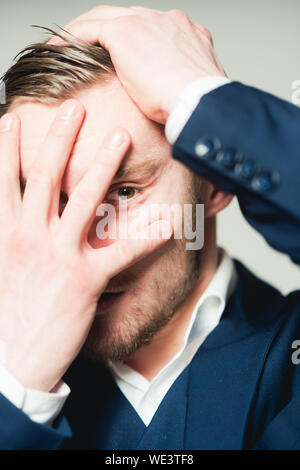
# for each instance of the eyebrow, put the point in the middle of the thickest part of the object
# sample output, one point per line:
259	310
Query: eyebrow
133	170
142	169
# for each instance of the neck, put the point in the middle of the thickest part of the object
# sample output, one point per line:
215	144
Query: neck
150	359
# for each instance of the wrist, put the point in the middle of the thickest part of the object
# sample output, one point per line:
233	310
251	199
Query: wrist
187	101
172	98
30	377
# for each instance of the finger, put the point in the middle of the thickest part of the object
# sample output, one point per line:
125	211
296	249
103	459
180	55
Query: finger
105	12
200	28
102	12
85	31
42	191
145	10
81	208
10	193
98	14
112	259
179	17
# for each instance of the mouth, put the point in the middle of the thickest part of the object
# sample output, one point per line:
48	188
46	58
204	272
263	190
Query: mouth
108	299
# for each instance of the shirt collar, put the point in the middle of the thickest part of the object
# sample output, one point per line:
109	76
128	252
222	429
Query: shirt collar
210	306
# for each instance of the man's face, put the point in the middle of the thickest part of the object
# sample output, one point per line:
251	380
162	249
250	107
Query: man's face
154	287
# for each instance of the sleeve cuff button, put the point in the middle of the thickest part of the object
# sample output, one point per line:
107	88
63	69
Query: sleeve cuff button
228	158
246	169
207	147
266	181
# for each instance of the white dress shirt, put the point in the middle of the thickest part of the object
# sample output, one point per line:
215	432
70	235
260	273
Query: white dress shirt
145	396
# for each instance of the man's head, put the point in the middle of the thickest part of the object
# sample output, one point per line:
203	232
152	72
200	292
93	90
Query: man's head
154	288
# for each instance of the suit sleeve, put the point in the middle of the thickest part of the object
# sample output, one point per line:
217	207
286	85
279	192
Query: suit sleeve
19	432
246	142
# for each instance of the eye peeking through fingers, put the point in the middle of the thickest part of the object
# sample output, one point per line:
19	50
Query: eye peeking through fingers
118	195
122	193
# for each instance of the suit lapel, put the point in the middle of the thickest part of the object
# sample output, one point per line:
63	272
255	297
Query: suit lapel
225	372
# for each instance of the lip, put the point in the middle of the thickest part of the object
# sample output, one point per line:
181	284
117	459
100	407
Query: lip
108	299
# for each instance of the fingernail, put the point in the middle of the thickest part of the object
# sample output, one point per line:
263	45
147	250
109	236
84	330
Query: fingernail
114	139
68	110
6	122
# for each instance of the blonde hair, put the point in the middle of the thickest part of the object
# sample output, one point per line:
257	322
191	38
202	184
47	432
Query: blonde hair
51	73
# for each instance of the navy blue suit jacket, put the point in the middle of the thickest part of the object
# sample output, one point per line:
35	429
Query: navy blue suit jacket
242	389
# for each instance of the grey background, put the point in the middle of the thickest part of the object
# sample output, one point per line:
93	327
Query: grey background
257	43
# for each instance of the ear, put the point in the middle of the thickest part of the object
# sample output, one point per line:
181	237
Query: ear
214	200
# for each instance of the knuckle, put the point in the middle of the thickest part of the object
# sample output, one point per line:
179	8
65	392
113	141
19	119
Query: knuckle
36	174
206	32
76	27
178	13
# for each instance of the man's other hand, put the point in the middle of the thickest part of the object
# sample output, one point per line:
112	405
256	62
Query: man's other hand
155	54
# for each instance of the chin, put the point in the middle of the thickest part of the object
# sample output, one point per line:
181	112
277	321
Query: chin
129	319
121	330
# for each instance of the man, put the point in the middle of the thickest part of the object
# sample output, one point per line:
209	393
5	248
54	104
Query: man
182	370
